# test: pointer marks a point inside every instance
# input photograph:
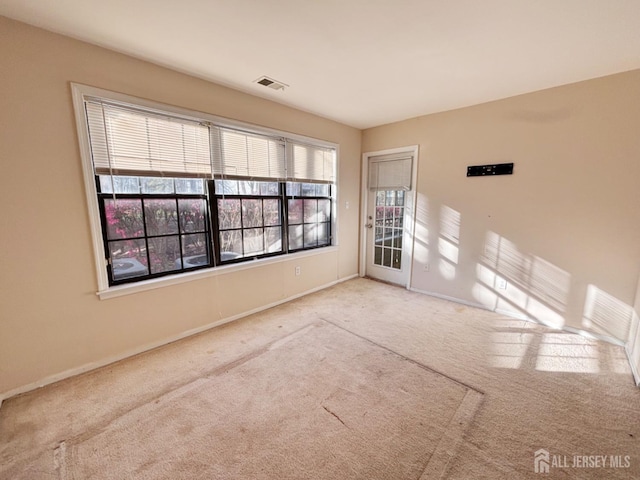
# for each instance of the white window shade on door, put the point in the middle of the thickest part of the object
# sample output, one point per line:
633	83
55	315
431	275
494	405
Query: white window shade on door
390	172
128	141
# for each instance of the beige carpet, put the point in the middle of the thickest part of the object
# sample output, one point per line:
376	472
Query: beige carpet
320	403
542	389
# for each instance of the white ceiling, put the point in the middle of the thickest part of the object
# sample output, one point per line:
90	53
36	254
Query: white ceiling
362	62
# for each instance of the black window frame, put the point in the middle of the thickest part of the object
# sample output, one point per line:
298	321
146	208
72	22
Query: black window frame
103	197
216	230
212	230
303	198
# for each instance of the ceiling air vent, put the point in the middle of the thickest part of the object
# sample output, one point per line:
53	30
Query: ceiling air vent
271	83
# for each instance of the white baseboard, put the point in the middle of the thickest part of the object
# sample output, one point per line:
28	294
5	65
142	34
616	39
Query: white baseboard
450	299
150	346
634	369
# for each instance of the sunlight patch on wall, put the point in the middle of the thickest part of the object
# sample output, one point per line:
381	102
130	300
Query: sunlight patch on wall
529	284
448	251
449	242
606	314
569	353
484	295
447	270
544	314
421	245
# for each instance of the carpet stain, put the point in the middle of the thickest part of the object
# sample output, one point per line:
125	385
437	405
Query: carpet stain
339	419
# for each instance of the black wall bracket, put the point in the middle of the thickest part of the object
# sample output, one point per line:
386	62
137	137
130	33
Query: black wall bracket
495	169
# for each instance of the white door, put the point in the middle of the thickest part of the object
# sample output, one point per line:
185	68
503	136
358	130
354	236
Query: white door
388	228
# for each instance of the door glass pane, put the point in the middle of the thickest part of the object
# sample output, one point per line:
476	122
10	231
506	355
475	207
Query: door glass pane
391	197
389	214
388	237
377	256
379	216
379	235
397	259
397	238
386	257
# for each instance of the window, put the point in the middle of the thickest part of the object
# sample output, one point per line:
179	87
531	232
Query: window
250	222
153	226
309	215
176	191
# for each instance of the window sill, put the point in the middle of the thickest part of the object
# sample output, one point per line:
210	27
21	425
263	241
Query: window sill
128	289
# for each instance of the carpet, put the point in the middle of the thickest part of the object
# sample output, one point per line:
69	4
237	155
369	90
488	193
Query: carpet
320	403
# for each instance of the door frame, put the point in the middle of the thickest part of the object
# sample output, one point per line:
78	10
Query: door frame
411	204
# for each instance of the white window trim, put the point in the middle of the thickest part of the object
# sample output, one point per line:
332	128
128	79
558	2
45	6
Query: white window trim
79	92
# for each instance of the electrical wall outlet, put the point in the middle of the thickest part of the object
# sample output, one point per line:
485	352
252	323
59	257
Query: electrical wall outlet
501	284
297	270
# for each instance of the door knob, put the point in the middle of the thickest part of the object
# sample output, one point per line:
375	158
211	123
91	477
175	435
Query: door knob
369	225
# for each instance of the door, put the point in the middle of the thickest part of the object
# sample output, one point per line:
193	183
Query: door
388	227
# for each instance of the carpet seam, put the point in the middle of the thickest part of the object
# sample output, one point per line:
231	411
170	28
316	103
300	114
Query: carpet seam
415	362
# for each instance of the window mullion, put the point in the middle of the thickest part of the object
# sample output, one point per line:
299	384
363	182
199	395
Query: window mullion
214	221
146	237
284	212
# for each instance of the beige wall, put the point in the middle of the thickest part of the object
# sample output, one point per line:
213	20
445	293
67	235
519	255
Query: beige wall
51	321
633	348
563	230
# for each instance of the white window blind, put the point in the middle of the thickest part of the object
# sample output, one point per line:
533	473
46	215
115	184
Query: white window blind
131	140
128	141
241	154
311	163
390	172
